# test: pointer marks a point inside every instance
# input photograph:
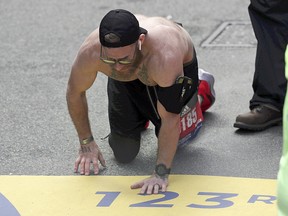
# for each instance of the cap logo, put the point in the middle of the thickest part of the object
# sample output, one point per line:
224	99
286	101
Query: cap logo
111	38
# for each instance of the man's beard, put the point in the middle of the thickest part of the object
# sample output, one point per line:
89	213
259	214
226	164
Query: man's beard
128	74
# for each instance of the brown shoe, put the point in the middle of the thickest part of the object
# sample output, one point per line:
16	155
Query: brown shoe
259	118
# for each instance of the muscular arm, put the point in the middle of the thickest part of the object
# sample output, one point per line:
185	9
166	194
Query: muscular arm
80	80
168	136
83	74
169	132
169	68
167	145
78	110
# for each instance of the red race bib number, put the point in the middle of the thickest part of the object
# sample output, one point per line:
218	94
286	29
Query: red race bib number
191	119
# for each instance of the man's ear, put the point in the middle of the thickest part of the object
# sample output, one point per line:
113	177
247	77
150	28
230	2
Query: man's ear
141	40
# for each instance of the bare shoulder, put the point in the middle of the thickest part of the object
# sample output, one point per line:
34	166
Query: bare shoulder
89	52
86	64
170	47
167	38
167	30
166	62
90	48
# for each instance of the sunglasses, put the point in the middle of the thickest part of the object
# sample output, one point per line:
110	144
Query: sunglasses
112	61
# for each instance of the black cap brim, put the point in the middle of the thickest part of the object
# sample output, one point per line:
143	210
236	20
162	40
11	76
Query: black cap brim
143	31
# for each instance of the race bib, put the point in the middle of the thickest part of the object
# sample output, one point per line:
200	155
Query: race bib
191	119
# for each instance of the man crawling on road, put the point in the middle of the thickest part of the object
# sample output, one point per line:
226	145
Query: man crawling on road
152	74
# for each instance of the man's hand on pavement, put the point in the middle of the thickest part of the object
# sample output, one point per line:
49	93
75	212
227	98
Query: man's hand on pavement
89	153
152	185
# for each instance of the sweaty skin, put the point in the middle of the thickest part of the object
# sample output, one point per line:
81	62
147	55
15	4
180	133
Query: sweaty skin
159	58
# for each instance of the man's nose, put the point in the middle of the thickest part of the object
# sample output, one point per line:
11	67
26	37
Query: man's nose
118	66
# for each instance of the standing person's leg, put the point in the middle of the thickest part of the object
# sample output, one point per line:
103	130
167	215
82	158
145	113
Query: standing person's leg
270	24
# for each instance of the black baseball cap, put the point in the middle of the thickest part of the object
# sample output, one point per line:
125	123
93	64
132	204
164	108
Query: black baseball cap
123	24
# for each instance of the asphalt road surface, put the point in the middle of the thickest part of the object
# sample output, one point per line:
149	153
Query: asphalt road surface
38	42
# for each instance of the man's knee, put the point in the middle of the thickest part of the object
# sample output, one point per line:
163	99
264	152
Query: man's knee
125	149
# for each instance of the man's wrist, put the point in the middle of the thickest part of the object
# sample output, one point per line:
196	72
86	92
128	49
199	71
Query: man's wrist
87	140
162	171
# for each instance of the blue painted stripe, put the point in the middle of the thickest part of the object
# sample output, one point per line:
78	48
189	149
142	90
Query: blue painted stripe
6	207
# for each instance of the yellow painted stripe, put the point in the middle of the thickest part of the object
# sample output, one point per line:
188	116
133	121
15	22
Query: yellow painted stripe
111	195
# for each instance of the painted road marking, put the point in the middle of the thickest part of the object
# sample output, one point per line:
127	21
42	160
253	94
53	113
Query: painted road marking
6	208
111	195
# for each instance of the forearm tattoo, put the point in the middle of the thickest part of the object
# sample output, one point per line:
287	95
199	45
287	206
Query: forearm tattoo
85	149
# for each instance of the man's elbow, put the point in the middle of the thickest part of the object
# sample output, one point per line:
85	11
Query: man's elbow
73	95
69	94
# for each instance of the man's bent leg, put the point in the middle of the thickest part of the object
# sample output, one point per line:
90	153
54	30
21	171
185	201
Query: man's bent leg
125	148
126	121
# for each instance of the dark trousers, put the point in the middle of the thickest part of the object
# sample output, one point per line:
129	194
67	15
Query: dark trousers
129	109
269	19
